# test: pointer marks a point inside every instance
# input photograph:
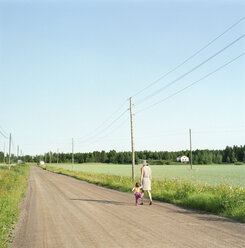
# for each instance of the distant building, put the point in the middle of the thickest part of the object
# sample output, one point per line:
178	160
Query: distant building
42	163
183	159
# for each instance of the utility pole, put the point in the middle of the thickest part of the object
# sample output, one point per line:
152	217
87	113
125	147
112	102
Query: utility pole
17	153
9	149
190	149
4	154
72	153
132	140
57	155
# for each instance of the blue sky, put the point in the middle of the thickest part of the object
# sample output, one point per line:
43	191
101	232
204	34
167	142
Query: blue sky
67	66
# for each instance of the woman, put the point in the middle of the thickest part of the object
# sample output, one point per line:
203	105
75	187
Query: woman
145	180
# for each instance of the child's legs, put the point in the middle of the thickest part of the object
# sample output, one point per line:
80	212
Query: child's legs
137	197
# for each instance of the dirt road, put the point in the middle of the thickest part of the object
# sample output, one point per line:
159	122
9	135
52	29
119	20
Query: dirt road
60	211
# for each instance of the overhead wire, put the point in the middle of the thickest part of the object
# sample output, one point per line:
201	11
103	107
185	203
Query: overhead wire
162	88
107	127
193	69
113	131
3	135
3	130
96	133
190	85
105	121
189	58
100	132
8	138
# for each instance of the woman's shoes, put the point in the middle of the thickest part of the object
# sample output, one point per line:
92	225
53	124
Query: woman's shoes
150	203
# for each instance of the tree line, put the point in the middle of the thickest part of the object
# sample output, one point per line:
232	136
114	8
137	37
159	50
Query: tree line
235	154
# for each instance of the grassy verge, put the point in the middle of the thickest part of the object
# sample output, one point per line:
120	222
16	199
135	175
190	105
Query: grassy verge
223	200
13	184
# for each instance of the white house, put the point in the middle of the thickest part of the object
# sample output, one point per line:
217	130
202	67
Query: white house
183	159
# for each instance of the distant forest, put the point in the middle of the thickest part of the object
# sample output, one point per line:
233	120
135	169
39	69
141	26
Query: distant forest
235	154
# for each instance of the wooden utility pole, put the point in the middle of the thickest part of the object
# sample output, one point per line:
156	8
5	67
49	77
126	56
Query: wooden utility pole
72	153
190	149
4	154
57	155
17	153
9	149
132	140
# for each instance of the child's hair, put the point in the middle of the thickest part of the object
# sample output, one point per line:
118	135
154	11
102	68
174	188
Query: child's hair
137	185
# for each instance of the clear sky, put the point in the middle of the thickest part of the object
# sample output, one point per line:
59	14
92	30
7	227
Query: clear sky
67	69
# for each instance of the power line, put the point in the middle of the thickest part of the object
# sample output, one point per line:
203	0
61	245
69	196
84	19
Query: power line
104	129
3	131
115	111
189	58
188	86
3	135
119	117
95	137
193	69
99	132
113	131
105	121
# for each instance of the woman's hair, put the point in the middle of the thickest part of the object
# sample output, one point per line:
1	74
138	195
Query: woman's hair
137	185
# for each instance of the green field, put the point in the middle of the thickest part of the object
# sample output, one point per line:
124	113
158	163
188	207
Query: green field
233	175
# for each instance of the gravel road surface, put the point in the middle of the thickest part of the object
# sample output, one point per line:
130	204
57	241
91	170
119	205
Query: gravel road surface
60	211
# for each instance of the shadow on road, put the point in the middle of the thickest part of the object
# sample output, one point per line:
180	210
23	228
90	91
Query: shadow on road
102	201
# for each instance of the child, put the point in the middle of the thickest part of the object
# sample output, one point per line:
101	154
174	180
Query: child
137	193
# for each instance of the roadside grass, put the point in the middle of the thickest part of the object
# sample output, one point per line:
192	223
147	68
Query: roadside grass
13	184
223	200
